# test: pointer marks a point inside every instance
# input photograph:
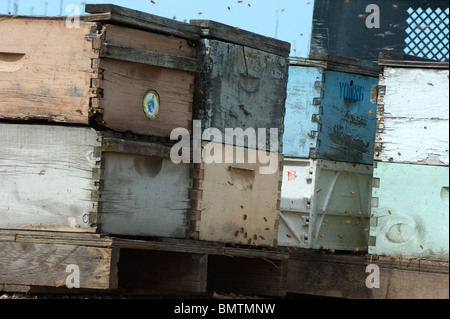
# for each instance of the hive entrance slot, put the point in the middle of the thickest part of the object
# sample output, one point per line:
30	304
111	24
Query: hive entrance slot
242	178
10	62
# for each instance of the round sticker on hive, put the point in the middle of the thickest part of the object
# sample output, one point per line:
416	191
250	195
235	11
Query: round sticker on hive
151	104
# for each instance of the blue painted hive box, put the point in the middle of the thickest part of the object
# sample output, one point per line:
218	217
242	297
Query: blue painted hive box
329	113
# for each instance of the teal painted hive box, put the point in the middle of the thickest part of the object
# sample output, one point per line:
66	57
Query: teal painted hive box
410	211
329	113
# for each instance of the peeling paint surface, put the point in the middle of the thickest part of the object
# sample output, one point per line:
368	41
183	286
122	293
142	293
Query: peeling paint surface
413	117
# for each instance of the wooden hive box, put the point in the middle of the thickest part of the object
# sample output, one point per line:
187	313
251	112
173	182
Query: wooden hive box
236	202
410	211
413	111
329	114
77	179
121	69
325	205
243	80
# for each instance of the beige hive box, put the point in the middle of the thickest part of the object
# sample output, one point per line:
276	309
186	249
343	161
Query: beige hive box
125	70
235	202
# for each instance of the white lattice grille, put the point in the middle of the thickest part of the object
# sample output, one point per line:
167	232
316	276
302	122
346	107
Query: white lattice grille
428	35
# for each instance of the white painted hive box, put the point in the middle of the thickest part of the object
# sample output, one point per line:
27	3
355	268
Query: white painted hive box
77	179
413	113
325	204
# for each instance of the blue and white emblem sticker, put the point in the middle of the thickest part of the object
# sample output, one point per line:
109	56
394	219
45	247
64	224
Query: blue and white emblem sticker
151	104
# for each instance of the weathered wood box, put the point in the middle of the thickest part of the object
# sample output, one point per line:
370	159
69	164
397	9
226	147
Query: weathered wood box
329	114
77	179
235	201
410	211
410	208
124	70
413	111
243	80
325	205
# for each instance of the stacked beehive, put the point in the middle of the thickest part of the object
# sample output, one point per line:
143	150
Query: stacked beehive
328	144
242	87
410	205
92	107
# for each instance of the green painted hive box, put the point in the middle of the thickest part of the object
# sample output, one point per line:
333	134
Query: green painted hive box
410	211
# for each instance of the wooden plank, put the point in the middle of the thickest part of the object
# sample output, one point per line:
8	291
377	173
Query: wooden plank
145	21
344	276
215	30
247	276
25	263
49	177
52	237
50	82
347	64
410	216
413	116
149	58
234	202
139	39
163	271
198	247
404	60
120	145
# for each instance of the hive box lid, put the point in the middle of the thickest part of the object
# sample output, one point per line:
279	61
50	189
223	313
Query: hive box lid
218	31
338	63
144	21
404	60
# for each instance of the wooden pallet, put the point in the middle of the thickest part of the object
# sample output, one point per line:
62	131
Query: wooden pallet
344	276
35	261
